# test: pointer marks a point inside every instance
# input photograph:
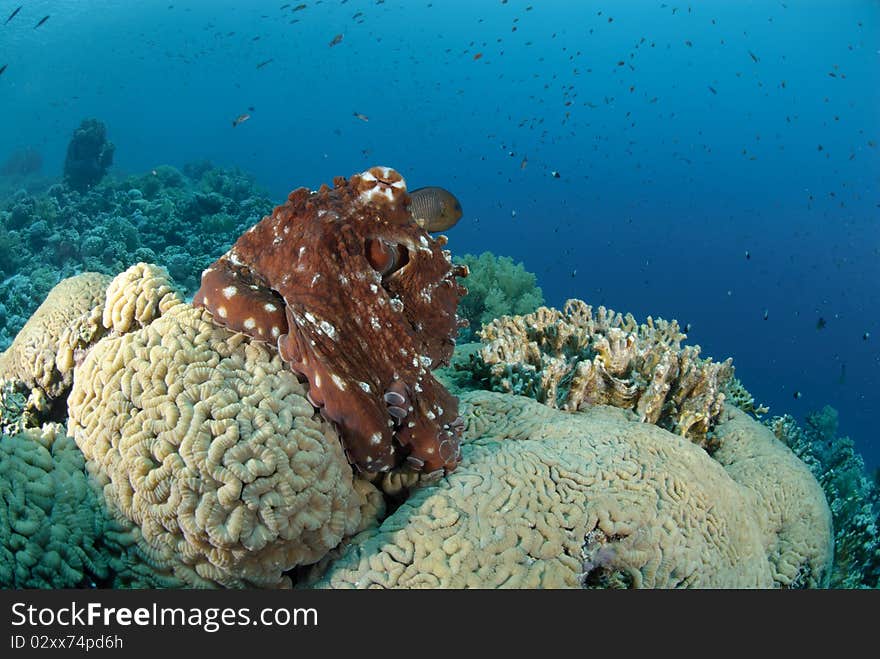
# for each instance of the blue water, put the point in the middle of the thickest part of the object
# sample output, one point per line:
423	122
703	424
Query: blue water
663	187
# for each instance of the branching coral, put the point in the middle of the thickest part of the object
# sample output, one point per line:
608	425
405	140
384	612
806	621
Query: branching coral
736	394
597	499
576	358
496	287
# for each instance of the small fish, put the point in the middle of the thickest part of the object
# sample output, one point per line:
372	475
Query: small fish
477	56
712	89
434	209
42	20
753	56
797	394
687	328
866	336
336	40
264	63
361	116
299	7
13	14
554	174
240	119
525	161
3	68
766	314
842	378
748	256
820	324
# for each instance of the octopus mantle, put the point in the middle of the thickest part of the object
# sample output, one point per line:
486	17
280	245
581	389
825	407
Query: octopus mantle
361	301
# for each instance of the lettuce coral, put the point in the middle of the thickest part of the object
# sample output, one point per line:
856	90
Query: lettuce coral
496	287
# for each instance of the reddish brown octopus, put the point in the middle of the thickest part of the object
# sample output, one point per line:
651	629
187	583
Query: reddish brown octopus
360	300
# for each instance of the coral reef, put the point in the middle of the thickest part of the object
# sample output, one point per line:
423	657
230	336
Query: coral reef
89	155
853	497
161	216
496	286
596	499
199	460
360	300
574	358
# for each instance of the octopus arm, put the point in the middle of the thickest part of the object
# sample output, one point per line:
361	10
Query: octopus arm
240	301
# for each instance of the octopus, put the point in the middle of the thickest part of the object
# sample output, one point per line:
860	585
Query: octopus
360	300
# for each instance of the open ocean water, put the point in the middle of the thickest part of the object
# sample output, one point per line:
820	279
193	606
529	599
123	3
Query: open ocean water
712	162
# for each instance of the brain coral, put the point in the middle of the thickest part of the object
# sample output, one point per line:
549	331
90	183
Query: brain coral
138	296
548	499
574	358
210	446
42	354
50	520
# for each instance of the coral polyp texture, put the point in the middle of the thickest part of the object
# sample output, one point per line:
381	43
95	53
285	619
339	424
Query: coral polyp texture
212	449
361	300
853	497
548	499
576	357
55	531
197	459
42	354
138	296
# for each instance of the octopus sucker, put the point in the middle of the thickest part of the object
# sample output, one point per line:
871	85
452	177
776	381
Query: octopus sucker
382	293
394	398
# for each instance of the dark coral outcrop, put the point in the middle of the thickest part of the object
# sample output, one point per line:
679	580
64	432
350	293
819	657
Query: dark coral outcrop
89	155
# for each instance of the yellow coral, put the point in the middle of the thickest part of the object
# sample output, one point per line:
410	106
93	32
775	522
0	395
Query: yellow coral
209	445
580	356
137	296
42	354
797	522
596	498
